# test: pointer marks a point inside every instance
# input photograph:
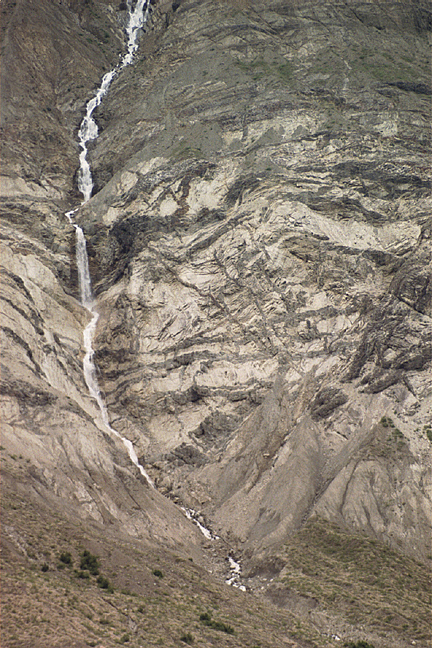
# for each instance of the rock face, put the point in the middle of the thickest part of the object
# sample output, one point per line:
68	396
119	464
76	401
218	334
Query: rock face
49	420
259	241
262	255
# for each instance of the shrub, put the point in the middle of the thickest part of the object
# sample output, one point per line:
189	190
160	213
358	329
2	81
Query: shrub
428	431
223	627
82	573
216	625
386	421
358	644
45	567
205	617
187	638
66	558
90	562
158	573
104	583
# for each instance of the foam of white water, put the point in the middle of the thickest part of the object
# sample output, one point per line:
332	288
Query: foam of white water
88	130
89	366
234	579
193	516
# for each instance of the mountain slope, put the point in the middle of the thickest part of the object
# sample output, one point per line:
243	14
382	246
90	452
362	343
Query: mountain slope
259	243
263	257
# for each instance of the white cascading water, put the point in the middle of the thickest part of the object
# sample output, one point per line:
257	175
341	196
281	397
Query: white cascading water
88	129
234	579
138	15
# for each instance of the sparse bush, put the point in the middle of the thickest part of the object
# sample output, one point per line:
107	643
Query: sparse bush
358	644
223	627
89	562
66	558
205	618
45	567
386	421
187	638
82	573
104	583
124	639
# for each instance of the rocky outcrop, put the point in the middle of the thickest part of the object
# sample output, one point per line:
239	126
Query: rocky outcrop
262	254
49	421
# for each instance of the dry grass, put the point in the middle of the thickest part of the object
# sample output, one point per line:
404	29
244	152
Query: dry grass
360	580
56	608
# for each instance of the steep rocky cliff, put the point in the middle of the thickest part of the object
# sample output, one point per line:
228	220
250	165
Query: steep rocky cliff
261	245
259	241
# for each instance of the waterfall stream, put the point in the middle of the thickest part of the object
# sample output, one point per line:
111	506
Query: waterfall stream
138	14
88	130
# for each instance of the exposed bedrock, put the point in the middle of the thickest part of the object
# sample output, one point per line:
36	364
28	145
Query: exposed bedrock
261	248
259	243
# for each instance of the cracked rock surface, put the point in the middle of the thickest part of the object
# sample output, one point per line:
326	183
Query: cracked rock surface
261	246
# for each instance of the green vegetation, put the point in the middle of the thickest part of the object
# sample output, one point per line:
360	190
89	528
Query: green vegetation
66	558
206	619
158	573
396	439
427	430
183	152
263	69
396	434
187	638
336	568
386	66
89	562
124	639
104	583
82	573
386	421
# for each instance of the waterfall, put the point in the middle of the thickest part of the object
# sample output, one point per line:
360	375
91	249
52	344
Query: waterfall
138	14
88	130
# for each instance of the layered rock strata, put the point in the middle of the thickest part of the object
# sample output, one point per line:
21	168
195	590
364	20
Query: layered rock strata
261	246
259	241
